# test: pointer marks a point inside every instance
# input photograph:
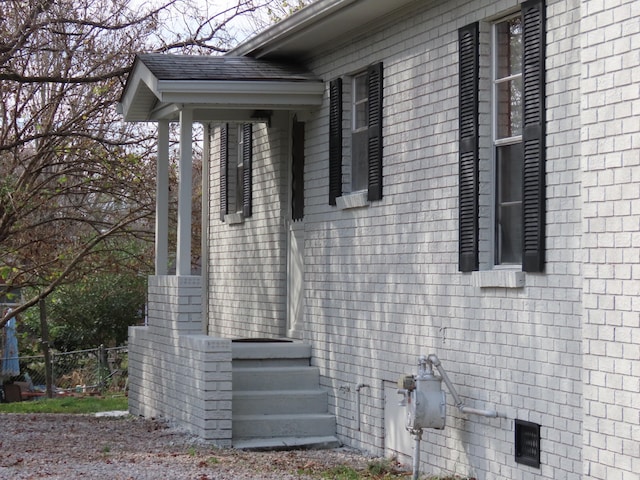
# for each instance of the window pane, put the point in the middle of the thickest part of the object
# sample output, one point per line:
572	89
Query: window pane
509	203
359	161
360	102
509	47
509	173
509	234
360	115
509	108
360	87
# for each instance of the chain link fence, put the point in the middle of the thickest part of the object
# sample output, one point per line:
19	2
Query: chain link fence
97	371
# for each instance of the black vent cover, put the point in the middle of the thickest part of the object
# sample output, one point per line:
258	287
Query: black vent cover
528	443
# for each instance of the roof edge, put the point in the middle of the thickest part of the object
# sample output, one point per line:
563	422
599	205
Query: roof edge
297	22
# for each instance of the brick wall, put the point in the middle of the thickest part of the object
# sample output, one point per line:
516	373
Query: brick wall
382	284
246	263
611	194
175	371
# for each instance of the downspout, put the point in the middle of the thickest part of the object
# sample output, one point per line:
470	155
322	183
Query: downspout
359	387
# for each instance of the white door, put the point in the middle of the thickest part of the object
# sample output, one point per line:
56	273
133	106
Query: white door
295	233
295	279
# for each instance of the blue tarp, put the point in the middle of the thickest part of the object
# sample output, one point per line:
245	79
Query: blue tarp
10	362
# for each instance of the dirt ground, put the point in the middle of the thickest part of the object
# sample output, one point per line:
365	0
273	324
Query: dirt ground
67	447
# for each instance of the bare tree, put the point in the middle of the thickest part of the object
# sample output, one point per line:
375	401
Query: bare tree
76	183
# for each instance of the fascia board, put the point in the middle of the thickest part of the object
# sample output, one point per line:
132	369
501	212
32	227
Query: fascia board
244	94
290	26
165	88
318	24
140	79
258	101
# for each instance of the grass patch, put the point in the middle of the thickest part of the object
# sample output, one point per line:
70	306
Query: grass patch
76	405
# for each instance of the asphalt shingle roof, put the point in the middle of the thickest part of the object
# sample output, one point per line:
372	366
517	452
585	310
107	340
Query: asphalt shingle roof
201	67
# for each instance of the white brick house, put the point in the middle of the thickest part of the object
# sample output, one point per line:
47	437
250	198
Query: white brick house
451	177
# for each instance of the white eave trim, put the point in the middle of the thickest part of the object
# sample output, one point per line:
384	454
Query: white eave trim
290	26
273	95
167	88
171	95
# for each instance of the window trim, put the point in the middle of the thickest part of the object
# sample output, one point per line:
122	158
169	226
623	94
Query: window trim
496	251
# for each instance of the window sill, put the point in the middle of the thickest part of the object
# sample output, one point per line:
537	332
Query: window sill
498	279
353	200
234	218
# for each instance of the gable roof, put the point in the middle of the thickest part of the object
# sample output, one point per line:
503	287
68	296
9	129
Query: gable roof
203	67
159	85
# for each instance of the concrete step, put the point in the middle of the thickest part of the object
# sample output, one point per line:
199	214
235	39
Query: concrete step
275	378
264	354
279	402
287	443
286	425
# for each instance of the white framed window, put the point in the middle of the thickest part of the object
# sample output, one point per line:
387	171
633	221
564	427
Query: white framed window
507	119
359	132
236	197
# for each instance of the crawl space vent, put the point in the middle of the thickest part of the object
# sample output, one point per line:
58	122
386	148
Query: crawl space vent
528	443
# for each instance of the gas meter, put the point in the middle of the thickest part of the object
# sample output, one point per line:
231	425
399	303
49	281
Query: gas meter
424	398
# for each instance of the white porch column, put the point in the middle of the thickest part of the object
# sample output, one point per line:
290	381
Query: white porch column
162	200
183	254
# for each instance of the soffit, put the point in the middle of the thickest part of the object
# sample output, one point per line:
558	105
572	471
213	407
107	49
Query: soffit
322	23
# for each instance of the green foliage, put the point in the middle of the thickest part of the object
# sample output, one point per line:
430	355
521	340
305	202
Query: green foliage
377	469
341	472
95	311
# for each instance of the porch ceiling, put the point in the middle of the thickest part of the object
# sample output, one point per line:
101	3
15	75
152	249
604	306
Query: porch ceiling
215	88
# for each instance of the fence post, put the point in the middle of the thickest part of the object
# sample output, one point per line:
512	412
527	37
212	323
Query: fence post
103	366
44	331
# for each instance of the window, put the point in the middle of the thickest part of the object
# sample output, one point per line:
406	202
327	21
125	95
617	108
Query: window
297	170
517	139
363	169
359	132
507	140
235	171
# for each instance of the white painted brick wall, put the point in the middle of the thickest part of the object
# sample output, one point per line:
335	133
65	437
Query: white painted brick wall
247	266
611	195
392	291
382	285
175	371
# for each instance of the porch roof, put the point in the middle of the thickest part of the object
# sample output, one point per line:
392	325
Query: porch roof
216	88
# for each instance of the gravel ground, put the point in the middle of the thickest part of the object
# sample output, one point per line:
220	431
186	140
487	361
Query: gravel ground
35	446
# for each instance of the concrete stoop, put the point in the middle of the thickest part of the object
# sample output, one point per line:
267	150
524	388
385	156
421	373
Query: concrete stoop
277	400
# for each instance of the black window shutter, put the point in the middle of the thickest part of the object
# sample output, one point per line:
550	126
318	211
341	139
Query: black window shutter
335	140
468	148
224	166
297	170
533	136
247	153
374	82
